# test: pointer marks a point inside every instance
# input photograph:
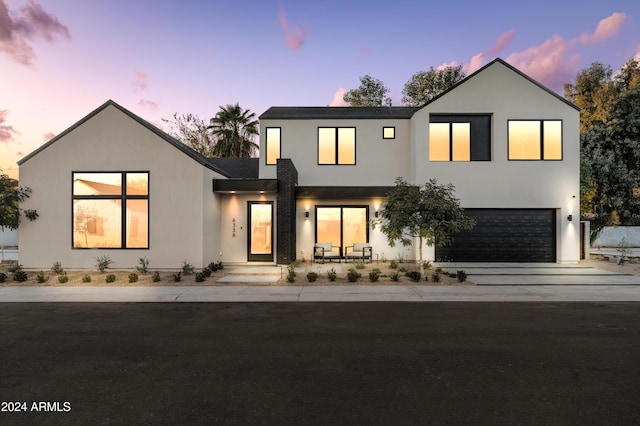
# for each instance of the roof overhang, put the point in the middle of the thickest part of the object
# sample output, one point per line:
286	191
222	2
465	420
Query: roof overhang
340	192
233	186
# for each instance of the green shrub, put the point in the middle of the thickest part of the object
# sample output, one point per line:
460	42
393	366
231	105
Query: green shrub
414	275
374	275
41	277
206	271
291	273
353	275
438	269
395	276
187	268
103	262
393	264
215	266
14	268
200	277
435	277
332	275
133	277
155	277
110	278
451	274
426	264
20	276
63	278
56	268
359	264
312	276
3	277
144	265
86	278
461	275
177	277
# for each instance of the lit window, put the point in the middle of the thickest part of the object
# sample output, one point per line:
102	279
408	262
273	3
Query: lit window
449	141
273	144
101	205
336	145
535	140
388	133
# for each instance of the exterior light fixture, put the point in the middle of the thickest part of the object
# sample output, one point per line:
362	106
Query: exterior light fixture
306	214
570	218
377	214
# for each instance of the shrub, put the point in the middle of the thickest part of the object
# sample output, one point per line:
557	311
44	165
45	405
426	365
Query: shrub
86	278
395	276
414	275
393	264
187	268
215	266
452	274
291	273
206	272
56	268
20	276
200	276
312	276
426	264
332	275
3	277
133	277
155	277
461	275
144	265
103	262
353	275
63	278
41	277
110	278
374	275
15	268
177	277
359	264
435	277
438	269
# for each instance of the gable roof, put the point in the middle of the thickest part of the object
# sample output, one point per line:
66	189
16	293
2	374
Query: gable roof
349	112
512	68
201	159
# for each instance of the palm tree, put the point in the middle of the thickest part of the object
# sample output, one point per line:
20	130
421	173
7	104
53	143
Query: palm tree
234	129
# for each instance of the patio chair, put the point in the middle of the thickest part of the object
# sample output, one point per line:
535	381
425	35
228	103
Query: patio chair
325	251
359	251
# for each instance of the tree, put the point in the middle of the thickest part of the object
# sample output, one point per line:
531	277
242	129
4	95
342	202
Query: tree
234	129
426	85
593	92
10	197
429	213
192	131
370	93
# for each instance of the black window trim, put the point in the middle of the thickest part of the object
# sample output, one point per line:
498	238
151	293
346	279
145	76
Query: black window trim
389	127
541	120
337	144
123	197
341	207
266	144
480	137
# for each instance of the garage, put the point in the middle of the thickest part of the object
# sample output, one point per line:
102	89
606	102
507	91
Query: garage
505	235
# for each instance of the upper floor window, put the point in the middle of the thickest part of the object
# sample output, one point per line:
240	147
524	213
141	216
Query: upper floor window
273	144
388	133
535	139
460	138
111	210
336	145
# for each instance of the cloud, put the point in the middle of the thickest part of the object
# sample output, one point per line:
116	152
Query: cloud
48	136
151	105
480	59
20	153
140	80
17	29
338	98
606	29
447	65
293	35
6	132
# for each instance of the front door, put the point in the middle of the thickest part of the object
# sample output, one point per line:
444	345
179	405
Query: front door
260	244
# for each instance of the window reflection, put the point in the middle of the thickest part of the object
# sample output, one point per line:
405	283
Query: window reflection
97	183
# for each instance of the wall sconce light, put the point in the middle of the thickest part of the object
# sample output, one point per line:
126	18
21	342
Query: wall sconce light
306	215
377	214
570	218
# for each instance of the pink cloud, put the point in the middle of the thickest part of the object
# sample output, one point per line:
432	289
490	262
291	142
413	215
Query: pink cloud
151	105
17	28
606	29
294	35
20	153
477	61
338	98
447	65
6	132
48	136
140	80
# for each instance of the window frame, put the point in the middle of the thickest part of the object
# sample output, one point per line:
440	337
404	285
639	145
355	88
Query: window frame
451	142
337	146
388	127
480	135
266	143
542	144
122	197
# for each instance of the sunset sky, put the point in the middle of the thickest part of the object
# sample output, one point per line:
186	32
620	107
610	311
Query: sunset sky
60	59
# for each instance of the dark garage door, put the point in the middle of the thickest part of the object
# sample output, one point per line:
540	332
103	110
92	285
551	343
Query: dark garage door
505	235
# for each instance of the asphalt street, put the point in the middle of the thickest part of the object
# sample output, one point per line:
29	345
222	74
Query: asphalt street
320	363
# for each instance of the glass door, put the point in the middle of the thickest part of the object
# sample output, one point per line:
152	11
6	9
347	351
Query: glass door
260	244
342	226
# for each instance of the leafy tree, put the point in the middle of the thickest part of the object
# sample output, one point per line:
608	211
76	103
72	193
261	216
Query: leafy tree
426	85
192	131
430	213
234	129
370	93
10	197
593	92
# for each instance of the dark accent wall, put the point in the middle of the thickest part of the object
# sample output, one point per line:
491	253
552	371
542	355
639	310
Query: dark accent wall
480	132
286	211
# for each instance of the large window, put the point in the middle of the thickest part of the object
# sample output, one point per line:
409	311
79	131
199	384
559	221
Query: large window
336	145
342	226
460	137
111	210
535	140
273	144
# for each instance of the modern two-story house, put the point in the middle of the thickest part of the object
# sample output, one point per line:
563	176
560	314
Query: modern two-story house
115	184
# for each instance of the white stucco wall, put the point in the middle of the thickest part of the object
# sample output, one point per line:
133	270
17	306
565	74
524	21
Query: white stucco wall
180	196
